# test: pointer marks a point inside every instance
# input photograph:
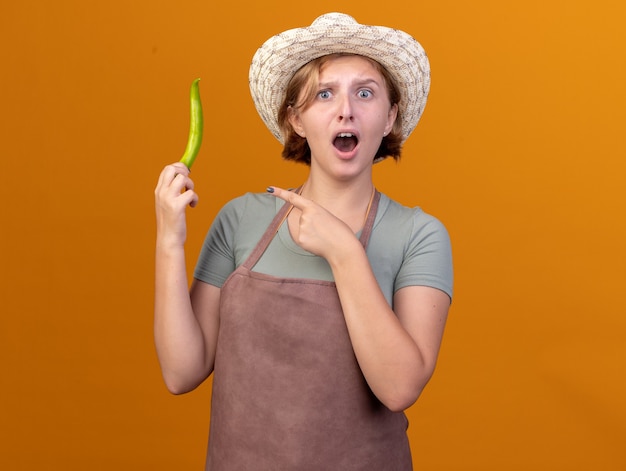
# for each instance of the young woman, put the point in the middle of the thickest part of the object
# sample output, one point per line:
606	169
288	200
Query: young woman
320	311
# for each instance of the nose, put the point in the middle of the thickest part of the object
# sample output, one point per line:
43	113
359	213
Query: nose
345	111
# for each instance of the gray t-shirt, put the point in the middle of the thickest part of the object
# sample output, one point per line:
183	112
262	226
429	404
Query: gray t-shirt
407	247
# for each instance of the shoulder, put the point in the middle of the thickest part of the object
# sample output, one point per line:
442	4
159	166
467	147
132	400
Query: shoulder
243	220
249	208
408	222
250	201
236	229
416	244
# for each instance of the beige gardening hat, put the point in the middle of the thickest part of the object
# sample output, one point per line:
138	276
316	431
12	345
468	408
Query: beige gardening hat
276	61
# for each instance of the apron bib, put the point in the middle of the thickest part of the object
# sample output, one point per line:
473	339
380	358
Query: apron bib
288	393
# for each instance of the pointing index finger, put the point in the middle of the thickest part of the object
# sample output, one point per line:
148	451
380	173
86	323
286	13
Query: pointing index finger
286	195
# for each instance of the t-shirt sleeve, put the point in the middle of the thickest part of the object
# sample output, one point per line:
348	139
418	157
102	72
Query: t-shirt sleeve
428	255
217	260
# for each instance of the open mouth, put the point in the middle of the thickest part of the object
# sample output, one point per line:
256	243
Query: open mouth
345	141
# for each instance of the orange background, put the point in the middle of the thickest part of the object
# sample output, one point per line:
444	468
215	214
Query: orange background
520	153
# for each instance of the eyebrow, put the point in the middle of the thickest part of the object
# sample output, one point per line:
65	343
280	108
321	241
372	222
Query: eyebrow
359	82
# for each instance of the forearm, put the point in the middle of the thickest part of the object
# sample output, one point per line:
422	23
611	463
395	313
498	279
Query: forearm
388	356
178	336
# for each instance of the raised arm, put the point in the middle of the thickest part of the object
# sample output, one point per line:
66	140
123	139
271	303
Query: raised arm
185	325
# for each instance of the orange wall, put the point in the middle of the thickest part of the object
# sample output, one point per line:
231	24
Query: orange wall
520	152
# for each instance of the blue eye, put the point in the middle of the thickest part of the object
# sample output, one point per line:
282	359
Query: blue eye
324	94
365	93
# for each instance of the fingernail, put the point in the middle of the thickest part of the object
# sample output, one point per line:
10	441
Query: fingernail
269	189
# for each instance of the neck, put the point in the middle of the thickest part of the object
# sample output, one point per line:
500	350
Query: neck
337	194
347	201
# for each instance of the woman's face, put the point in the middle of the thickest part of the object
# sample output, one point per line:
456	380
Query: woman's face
345	122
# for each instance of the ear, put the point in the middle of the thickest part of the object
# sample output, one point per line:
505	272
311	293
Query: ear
391	118
296	122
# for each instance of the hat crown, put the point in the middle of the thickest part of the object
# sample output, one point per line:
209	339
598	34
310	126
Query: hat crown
275	62
329	19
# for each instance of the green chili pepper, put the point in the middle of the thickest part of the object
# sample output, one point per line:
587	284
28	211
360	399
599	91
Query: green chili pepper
195	126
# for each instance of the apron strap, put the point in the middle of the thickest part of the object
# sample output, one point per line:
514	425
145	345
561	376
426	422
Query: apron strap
369	222
269	234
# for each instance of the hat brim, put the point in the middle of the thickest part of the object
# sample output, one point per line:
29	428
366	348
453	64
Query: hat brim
278	59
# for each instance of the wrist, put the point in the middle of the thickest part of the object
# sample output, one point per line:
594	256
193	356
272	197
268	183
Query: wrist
170	244
349	253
